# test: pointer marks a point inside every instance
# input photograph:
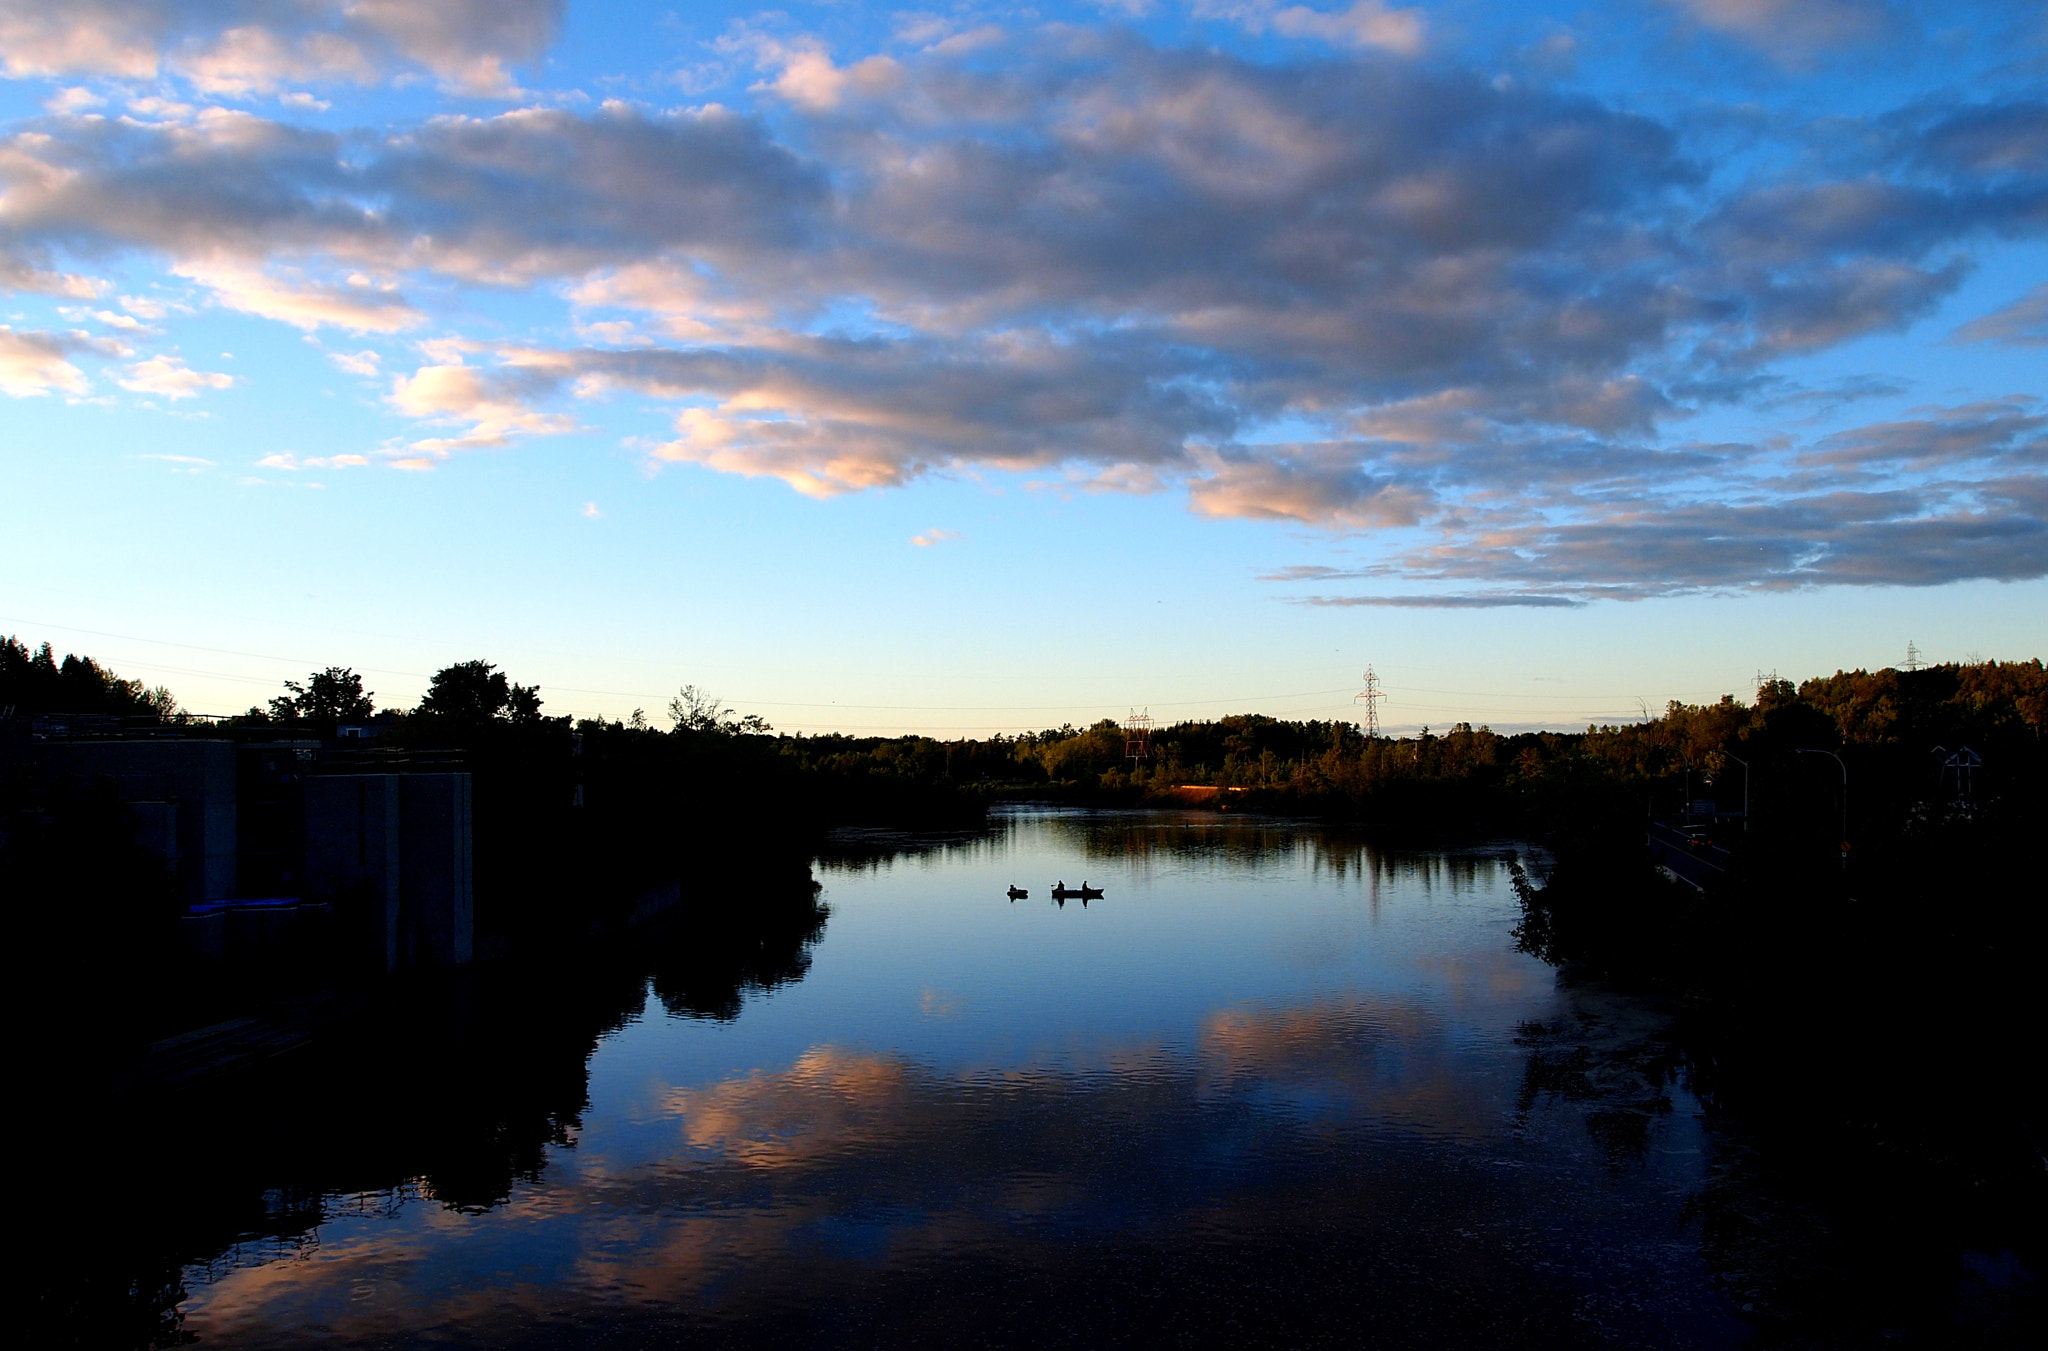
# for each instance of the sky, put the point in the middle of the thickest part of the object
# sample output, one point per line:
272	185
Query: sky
976	369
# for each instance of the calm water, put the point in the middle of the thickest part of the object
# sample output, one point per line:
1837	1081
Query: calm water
1276	1085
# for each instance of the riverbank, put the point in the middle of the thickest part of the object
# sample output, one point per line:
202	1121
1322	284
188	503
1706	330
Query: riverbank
228	1144
1875	1030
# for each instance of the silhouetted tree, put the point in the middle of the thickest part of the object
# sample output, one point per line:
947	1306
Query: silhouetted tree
37	683
477	692
330	697
695	710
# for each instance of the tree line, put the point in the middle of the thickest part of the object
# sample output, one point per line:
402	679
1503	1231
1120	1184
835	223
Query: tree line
35	682
1885	726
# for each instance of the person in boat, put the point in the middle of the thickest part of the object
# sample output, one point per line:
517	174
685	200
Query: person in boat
1060	885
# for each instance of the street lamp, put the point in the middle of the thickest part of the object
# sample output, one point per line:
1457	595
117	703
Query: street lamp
1845	798
1745	788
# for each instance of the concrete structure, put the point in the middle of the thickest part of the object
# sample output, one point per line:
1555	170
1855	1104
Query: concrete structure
353	835
392	852
258	838
438	900
182	794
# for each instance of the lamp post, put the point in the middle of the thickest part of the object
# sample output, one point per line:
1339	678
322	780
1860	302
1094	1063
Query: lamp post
1845	798
1745	789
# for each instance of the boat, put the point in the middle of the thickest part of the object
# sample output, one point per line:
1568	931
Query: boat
1083	892
1018	893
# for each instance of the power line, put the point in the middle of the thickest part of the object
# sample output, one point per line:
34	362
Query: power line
1517	694
1068	707
634	694
194	647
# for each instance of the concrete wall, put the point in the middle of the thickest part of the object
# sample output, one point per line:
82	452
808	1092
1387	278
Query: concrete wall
353	859
440	902
392	852
156	830
197	776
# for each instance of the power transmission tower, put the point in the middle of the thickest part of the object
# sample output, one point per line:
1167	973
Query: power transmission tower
1912	662
1138	737
1960	765
1370	696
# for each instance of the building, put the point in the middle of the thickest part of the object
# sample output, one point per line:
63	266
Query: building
259	836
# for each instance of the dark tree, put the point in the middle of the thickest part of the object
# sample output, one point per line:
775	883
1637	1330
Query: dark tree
695	710
335	695
474	692
522	705
33	683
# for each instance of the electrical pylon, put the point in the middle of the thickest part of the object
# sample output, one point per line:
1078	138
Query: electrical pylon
1138	737
1370	696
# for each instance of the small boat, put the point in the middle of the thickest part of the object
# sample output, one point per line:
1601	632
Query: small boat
1083	892
1018	893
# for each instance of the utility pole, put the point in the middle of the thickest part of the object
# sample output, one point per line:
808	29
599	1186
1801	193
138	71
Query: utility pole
1845	798
1745	789
1370	696
1912	662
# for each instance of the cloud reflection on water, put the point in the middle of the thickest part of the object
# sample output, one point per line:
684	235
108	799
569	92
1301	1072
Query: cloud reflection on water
878	1160
1313	1144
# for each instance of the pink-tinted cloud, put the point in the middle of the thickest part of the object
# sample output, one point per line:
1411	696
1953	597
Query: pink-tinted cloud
257	46
1355	291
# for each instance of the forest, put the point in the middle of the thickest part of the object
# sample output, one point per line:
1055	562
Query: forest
1773	768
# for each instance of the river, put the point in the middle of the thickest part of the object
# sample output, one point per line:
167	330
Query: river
1279	1084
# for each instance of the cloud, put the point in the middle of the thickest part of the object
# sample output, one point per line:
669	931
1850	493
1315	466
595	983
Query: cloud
2024	323
830	416
361	307
1793	31
1323	486
1945	494
1366	24
363	363
73	100
17	274
287	461
933	536
1989	139
1450	602
97	37
169	377
2011	431
810	81
254	46
1885	536
1829	306
1352	291
492	403
33	362
248	206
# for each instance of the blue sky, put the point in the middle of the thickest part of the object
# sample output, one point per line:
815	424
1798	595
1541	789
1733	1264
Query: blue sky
970	369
